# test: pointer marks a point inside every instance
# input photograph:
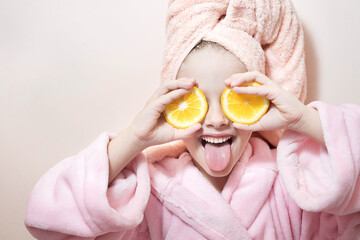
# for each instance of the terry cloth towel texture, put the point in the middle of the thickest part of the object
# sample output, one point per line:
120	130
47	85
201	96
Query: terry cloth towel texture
266	35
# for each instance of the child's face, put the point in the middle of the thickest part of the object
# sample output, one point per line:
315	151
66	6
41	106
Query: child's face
210	67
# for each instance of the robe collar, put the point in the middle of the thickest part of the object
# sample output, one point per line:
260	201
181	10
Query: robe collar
182	188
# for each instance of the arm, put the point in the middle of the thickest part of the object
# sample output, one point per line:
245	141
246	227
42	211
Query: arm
310	125
121	150
324	177
149	128
74	198
285	112
318	156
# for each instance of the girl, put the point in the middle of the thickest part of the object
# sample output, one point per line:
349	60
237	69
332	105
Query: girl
304	186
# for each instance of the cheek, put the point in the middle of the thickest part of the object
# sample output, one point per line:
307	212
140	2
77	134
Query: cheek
192	144
238	148
195	148
240	144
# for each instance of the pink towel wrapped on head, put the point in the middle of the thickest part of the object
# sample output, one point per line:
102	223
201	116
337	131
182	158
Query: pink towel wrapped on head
265	35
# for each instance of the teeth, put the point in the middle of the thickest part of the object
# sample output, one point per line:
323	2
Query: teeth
215	140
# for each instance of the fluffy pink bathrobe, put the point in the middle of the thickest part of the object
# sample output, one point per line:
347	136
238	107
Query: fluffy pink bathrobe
301	190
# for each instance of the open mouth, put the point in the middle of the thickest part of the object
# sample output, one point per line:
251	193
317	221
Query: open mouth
204	141
217	151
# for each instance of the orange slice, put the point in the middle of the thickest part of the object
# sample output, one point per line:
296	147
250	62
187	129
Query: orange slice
186	110
243	108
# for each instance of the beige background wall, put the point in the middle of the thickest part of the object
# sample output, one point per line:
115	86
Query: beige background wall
70	70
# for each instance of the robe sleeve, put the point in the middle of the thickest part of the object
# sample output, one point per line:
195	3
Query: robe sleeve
73	200
324	178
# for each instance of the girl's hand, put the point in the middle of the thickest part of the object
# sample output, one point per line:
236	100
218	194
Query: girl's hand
286	110
150	126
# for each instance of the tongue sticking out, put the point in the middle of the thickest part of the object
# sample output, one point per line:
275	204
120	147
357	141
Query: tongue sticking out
217	155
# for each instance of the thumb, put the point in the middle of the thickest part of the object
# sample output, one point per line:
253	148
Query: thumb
252	127
184	133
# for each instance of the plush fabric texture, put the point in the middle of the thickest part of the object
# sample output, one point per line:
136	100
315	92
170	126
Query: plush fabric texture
266	35
301	190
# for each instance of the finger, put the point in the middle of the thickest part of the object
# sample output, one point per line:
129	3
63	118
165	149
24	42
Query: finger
185	133
240	78
253	127
162	101
269	121
267	92
185	83
250	90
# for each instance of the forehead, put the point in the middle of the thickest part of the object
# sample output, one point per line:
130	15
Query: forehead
210	67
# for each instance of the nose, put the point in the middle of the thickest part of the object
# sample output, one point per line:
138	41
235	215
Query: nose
215	117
